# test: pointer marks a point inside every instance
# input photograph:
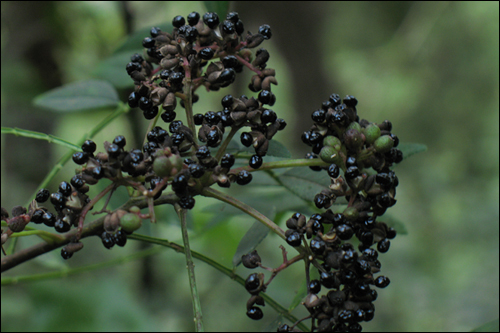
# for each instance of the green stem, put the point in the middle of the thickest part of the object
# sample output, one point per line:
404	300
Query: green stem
190	267
283	164
188	105
223	146
210	192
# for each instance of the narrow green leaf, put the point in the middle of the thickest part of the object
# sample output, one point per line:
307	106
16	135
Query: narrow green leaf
220	7
409	149
253	237
274	324
492	326
305	183
79	96
299	296
40	136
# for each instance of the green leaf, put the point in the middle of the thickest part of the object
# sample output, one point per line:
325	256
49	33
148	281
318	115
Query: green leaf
409	149
219	7
79	96
113	69
305	183
277	149
492	326
253	237
40	136
395	223
134	40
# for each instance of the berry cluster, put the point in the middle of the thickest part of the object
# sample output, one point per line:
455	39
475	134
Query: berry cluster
208	53
353	147
357	155
202	53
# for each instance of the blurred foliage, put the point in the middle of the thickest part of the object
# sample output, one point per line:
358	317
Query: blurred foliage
432	68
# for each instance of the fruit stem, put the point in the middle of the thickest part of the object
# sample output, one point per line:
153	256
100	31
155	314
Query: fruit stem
223	146
210	192
190	267
188	105
284	164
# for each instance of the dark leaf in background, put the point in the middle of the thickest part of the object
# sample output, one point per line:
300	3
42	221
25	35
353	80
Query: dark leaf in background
79	96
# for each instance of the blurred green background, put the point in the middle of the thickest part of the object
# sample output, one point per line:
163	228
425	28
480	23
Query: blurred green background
429	67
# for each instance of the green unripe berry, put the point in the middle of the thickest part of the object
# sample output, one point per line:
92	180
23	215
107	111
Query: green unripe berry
383	144
329	155
354	125
134	209
130	222
165	166
372	133
332	141
351	214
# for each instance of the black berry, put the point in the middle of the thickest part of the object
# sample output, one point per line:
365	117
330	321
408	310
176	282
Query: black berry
244	177
42	195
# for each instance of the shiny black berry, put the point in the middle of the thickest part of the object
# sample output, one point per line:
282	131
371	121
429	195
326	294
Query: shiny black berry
314	286
267	97
168	116
80	157
148	42
227	161
65	254
265	30
89	146
65	188
211	20
113	150
333	171
61	226
244	177
178	21
383	245
255	313
193	18
350	101
42	195
206	53
120	238
196	170
246	139
133	100
252	282
107	240
187	202
382	281
294	239
198	119
317	246
151	113
120	141
255	161
57	199
49	219
227	101
268	116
